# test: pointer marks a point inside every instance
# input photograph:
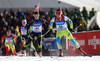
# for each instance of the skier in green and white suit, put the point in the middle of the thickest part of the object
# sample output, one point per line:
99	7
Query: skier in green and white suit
62	30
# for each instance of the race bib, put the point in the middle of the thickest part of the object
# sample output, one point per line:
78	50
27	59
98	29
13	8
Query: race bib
23	32
60	27
8	40
37	28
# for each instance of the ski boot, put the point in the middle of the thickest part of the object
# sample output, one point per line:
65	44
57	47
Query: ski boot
40	54
82	52
60	53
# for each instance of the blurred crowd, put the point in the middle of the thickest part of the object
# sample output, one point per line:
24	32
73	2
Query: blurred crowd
10	19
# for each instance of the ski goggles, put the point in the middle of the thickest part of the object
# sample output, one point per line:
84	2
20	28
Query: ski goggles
58	12
24	22
9	32
36	15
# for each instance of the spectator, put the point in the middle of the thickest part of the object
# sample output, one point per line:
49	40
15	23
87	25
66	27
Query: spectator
6	25
28	16
85	14
91	13
3	21
12	12
83	26
64	13
73	18
3	32
20	14
51	13
9	19
31	14
67	12
5	13
13	31
1	16
41	12
79	15
75	11
16	22
72	15
47	17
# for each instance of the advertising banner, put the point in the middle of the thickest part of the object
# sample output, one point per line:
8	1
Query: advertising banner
89	42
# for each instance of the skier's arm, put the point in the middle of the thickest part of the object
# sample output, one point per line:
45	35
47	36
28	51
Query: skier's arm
29	30
69	21
30	27
51	23
44	21
2	39
17	30
15	39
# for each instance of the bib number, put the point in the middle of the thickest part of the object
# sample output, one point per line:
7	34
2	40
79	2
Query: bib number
8	41
60	27
24	32
36	28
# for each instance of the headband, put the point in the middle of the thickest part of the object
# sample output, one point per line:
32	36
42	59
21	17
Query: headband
58	12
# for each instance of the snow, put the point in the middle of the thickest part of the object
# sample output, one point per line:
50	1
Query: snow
48	58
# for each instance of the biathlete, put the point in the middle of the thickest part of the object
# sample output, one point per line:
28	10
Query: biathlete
9	41
35	32
62	30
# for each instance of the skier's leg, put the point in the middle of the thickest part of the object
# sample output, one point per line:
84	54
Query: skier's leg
27	43
13	49
34	44
39	43
24	39
59	35
23	51
7	49
70	37
34	49
59	45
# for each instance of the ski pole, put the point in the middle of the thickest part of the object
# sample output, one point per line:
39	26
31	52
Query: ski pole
45	33
77	27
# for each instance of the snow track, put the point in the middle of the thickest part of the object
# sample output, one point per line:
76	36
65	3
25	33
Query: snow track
48	58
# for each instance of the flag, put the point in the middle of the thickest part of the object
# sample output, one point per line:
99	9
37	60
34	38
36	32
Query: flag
37	7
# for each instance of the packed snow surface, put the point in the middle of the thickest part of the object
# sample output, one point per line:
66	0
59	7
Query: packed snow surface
49	58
